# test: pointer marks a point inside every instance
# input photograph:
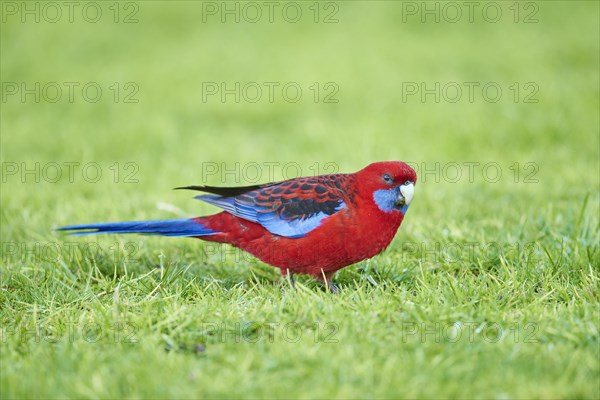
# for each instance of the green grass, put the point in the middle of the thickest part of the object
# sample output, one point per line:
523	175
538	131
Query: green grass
489	290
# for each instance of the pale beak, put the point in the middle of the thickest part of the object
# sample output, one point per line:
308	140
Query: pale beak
406	194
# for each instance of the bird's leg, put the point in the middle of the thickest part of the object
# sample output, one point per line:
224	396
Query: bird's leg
291	278
327	280
287	275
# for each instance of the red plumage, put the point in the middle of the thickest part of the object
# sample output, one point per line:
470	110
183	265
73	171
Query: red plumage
310	225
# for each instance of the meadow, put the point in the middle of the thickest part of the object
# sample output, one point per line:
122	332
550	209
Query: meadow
489	289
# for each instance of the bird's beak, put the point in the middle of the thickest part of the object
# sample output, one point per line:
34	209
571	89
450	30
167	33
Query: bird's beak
405	195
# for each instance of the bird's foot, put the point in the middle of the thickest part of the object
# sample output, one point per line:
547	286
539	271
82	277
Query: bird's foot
327	280
332	287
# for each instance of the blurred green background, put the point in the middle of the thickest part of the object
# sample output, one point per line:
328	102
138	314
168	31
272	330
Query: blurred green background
358	64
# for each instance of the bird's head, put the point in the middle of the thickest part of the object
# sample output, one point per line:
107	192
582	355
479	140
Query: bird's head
391	185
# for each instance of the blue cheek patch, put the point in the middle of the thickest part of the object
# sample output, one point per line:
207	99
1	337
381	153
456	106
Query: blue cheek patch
386	200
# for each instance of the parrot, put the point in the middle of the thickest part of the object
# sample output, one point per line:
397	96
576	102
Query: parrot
313	225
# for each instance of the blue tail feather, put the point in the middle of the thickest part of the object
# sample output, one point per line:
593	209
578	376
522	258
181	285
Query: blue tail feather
176	227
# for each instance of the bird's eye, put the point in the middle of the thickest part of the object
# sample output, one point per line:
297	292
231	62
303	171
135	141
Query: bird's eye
388	179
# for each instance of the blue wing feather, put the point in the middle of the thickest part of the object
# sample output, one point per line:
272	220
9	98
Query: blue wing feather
294	228
291	209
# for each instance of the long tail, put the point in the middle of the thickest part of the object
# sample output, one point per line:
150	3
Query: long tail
175	227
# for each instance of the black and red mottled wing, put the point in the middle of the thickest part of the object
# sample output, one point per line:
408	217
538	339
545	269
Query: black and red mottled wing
291	208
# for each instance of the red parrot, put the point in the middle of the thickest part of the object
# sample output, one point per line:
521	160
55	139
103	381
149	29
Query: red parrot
311	225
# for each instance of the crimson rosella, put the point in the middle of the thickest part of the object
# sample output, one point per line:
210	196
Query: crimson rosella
312	225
